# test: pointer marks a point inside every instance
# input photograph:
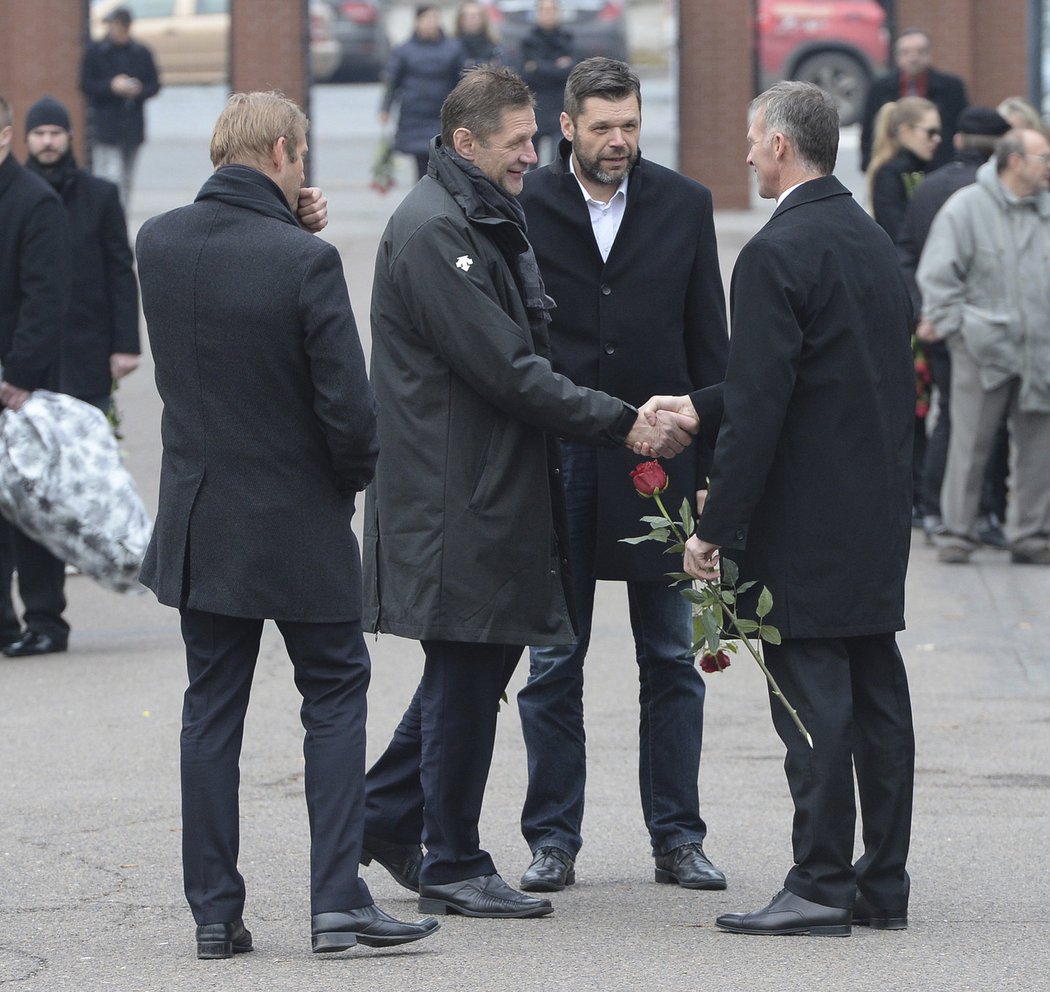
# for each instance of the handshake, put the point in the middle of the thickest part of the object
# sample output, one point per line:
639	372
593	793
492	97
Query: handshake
664	428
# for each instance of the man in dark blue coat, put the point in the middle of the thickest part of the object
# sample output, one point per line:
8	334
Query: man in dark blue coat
118	76
269	432
34	297
811	496
627	250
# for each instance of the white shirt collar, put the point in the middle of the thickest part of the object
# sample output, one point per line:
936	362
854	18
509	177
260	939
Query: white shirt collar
791	189
622	188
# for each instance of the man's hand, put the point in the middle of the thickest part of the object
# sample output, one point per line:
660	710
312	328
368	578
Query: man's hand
120	364
12	397
925	331
701	559
125	86
312	209
679	407
665	435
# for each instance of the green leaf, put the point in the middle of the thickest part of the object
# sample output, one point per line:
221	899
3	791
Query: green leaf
730	573
688	525
765	602
644	537
661	522
692	596
698	630
740	590
746	626
770	633
677	548
679	576
728	596
712	630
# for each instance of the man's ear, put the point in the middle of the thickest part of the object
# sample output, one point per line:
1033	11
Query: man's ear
464	143
568	129
278	152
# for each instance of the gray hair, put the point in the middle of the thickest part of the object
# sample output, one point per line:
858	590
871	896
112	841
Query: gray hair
479	100
807	116
601	77
1011	143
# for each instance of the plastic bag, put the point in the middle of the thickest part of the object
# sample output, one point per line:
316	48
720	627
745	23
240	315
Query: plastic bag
62	483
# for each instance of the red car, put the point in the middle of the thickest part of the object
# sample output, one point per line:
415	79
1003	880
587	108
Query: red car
838	44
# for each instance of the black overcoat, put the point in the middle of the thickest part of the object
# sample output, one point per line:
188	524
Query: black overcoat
269	421
811	481
540	51
103	316
34	277
465	522
650	320
112	119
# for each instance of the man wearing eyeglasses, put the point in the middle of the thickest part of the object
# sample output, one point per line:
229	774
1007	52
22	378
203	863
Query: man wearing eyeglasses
984	289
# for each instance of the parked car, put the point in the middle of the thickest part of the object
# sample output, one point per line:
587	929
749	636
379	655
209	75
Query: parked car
190	38
838	44
360	28
599	27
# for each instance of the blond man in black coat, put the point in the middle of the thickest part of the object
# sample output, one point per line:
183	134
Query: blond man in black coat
269	433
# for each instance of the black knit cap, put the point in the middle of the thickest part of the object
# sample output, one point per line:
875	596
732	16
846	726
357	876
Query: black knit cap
47	110
981	120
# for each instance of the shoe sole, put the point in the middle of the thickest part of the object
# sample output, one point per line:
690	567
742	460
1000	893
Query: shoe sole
367	859
324	943
540	885
328	943
441	907
884	923
665	877
218	950
842	930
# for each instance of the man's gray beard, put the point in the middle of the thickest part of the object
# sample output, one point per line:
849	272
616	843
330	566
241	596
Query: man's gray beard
598	175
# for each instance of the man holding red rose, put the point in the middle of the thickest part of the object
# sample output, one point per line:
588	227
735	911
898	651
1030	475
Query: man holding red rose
811	496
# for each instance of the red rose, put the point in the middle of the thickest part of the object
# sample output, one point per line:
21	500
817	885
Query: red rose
712	663
649	478
921	409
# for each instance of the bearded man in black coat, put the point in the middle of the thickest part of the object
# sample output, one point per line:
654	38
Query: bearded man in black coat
811	496
269	432
34	298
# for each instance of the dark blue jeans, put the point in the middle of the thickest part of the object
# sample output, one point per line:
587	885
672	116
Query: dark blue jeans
671	699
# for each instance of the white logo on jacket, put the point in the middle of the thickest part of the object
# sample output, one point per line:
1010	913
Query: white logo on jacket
464	262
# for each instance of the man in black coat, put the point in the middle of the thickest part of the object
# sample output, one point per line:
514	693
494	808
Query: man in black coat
269	432
117	76
979	127
465	531
608	227
99	341
34	297
811	496
914	76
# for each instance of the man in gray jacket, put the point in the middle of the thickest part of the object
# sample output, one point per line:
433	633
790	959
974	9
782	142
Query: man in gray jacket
984	289
465	531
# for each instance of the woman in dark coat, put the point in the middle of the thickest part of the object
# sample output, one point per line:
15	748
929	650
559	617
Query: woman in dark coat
547	58
421	73
907	135
475	37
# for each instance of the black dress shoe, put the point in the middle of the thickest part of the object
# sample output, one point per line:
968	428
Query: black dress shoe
222	940
368	925
486	896
866	915
32	643
551	870
689	867
790	914
401	860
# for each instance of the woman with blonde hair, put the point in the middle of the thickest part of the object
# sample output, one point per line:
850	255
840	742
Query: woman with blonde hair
1020	113
475	35
907	135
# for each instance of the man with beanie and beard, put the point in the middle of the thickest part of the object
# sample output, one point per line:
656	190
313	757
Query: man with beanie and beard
98	340
34	294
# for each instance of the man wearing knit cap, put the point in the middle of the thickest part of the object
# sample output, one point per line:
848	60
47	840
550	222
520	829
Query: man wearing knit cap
98	343
118	76
34	294
979	129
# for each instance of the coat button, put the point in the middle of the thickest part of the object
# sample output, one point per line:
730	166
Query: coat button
610	349
740	535
606	289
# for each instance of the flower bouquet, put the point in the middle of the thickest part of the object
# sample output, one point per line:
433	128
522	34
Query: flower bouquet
715	603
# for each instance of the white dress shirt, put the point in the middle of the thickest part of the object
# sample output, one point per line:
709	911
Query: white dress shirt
605	217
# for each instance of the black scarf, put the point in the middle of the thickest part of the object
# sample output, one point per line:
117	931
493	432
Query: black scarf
59	175
500	205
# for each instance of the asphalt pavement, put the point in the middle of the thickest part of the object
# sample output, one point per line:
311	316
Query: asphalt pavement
90	881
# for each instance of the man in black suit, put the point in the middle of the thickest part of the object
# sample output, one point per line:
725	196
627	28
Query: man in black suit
914	76
34	298
811	495
269	431
609	226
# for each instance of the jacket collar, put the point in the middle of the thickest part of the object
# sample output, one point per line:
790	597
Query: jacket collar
811	191
560	165
242	186
9	170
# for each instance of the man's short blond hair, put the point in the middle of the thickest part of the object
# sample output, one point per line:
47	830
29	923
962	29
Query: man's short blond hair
250	125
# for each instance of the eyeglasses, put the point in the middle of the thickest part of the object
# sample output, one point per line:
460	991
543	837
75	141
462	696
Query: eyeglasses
931	132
